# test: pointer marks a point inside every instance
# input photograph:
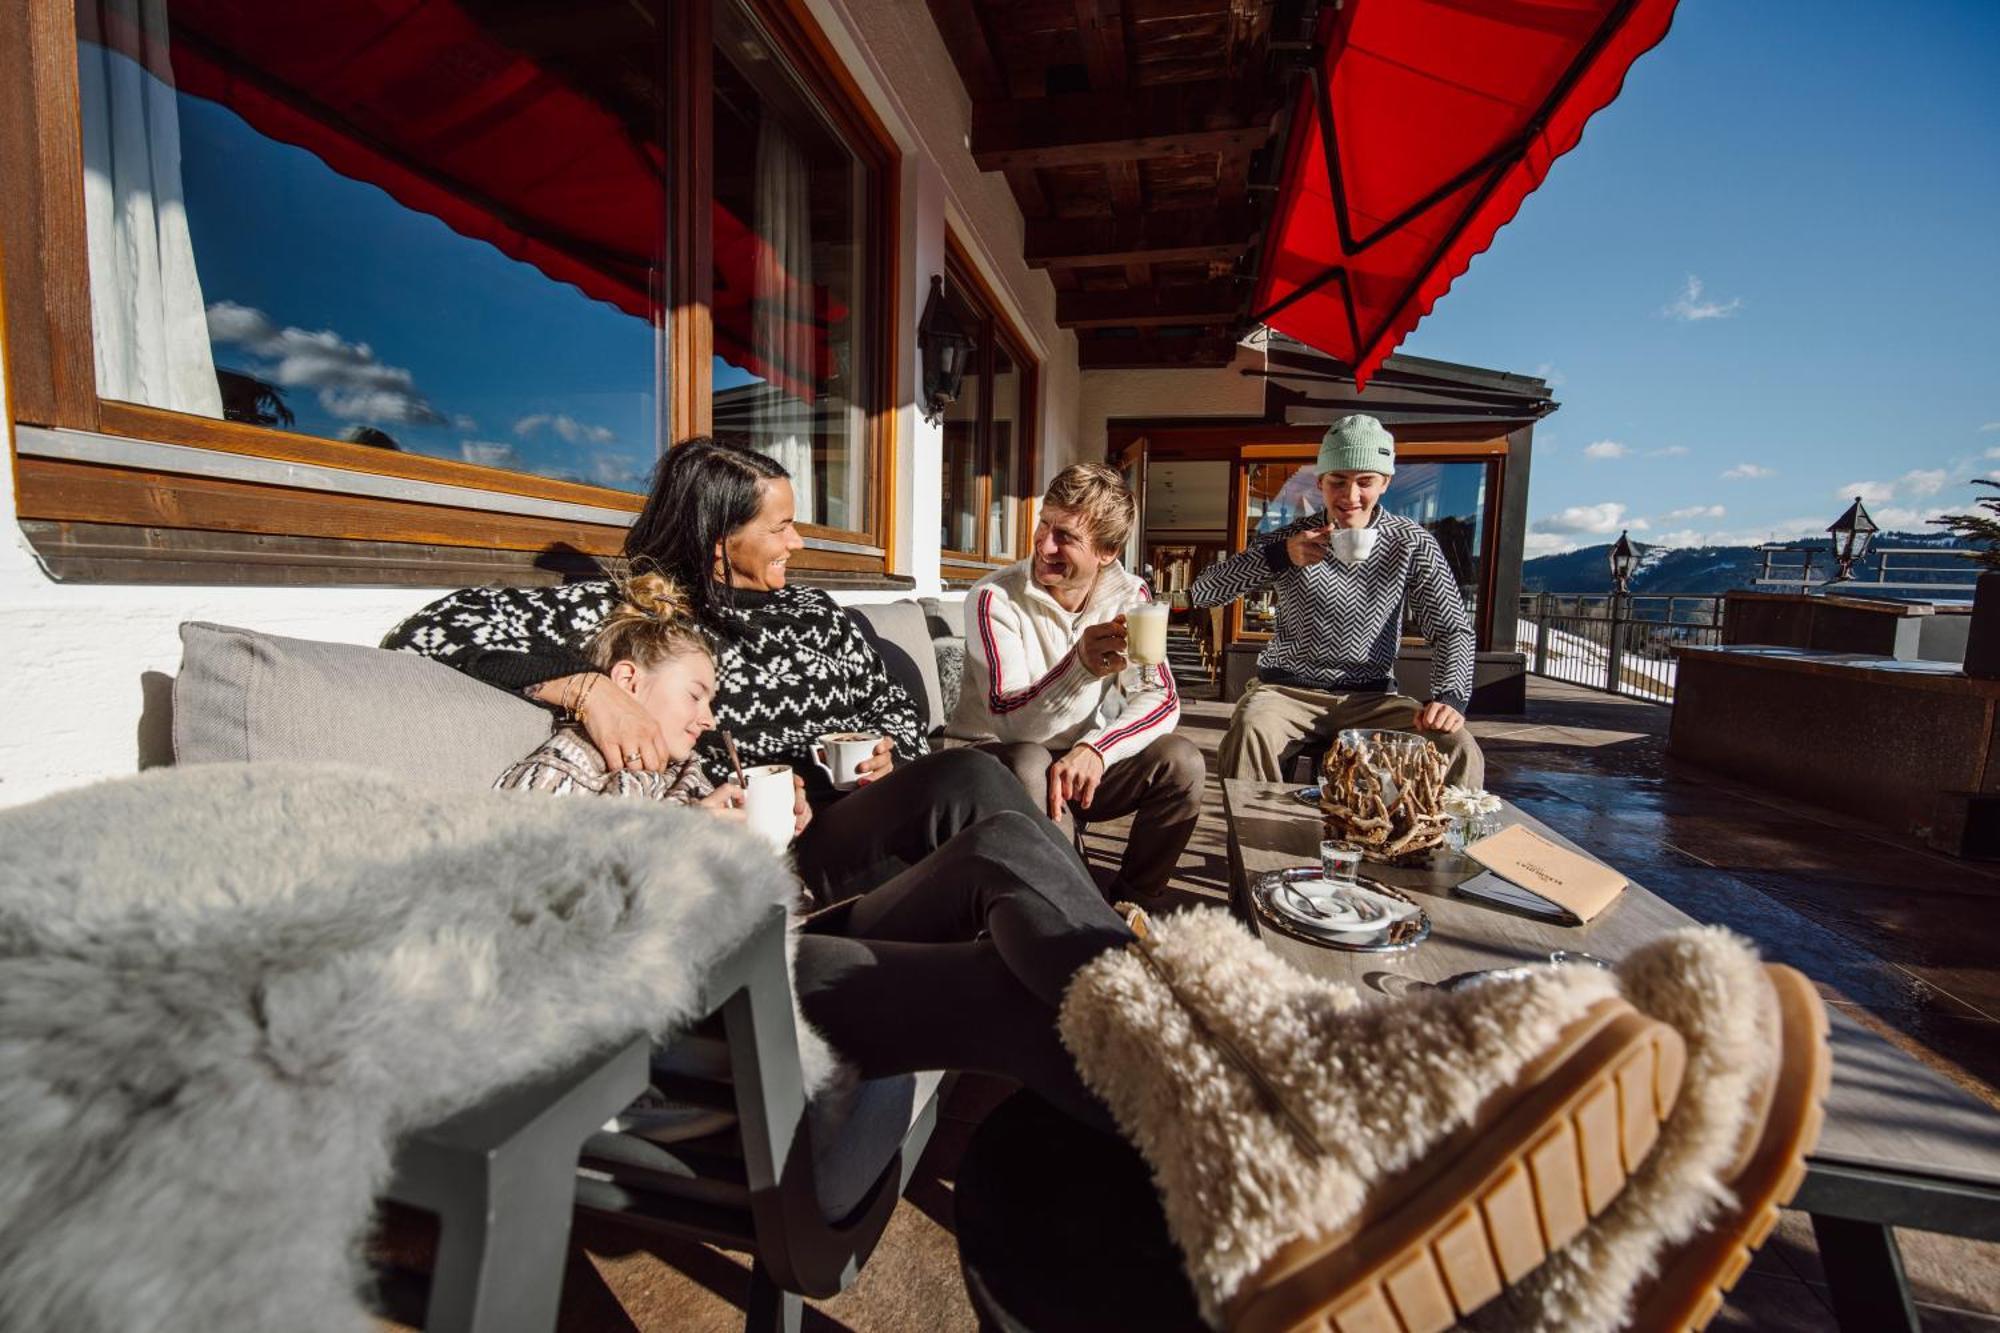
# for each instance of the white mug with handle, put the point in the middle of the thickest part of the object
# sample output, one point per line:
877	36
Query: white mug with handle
767	803
840	755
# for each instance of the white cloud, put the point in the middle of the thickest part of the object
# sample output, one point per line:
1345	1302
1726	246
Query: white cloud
1905	518
1546	543
1919	482
464	423
1993	452
488	453
1749	472
352	384
1605	449
1689	307
1989	426
1671	451
1869	492
1581	520
566	427
1694	511
1547	373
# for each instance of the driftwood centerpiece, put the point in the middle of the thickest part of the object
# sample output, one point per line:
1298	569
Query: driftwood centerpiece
1382	792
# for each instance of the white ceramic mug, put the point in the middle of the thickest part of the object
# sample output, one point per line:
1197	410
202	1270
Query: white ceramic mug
1351	546
768	803
840	755
1146	634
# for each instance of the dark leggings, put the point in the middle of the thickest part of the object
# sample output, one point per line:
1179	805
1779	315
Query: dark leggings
958	959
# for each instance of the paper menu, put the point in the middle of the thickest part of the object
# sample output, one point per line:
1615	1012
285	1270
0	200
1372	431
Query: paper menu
1574	883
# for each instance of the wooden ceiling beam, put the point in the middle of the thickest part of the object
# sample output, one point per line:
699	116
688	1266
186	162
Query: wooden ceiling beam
1150	238
1219	302
1087	128
1100	25
1028	192
1151	352
965	36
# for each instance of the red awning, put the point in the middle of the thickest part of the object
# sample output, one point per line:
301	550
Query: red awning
1420	129
421	99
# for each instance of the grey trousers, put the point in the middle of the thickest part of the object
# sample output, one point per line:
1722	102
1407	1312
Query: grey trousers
1161	785
1270	720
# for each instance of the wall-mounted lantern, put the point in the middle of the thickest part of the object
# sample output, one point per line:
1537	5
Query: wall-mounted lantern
947	352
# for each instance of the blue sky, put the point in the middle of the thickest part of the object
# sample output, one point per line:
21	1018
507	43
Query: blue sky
1766	279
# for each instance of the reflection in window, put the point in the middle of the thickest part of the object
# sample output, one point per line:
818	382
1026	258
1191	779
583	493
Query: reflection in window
1450	500
790	221
961	433
426	229
986	436
1002	506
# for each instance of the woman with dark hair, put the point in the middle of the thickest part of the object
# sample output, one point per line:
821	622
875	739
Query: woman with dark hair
790	667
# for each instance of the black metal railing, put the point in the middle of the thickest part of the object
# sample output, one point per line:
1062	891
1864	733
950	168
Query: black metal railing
1623	644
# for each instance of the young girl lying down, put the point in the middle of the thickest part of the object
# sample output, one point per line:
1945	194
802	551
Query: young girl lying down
649	647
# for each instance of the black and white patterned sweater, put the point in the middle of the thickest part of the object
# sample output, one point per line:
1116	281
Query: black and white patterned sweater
790	668
1339	625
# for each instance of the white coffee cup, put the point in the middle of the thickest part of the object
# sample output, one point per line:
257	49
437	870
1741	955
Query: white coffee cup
840	755
768	802
1146	634
1351	546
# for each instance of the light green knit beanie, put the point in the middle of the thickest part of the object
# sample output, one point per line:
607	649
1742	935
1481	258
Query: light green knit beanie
1358	444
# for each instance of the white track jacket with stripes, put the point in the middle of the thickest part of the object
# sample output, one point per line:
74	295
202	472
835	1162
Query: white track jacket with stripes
1022	681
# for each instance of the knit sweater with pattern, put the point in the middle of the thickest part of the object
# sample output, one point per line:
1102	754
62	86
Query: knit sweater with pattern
790	665
1339	625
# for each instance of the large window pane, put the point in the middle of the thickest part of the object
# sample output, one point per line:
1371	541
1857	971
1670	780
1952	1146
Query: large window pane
1003	504
962	442
1450	500
791	218
436	229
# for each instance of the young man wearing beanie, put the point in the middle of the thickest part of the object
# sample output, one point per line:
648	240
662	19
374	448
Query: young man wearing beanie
1344	578
1050	691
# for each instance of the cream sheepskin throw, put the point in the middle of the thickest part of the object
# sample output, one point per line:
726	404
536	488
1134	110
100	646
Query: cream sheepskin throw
1709	985
226	991
1380	1083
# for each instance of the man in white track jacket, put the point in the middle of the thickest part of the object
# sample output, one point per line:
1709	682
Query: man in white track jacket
1049	690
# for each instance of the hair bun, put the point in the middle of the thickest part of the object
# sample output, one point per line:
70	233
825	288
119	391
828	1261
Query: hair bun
657	596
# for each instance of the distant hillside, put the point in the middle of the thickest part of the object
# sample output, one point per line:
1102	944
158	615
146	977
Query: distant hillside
1713	569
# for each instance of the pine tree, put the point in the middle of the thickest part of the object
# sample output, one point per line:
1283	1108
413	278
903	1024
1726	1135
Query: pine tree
1983	530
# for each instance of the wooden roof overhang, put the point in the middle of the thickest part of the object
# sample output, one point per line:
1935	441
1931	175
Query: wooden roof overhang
1142	140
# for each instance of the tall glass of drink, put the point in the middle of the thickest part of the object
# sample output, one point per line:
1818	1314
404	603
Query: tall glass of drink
1146	637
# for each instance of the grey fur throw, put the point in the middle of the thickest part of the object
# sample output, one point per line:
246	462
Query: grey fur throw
225	992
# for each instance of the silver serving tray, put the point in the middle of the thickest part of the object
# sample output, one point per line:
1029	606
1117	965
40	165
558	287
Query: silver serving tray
1405	935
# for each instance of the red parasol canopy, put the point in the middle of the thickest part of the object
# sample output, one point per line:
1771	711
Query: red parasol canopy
421	99
1422	126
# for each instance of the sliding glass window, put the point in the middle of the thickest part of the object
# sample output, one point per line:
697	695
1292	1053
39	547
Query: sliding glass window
434	230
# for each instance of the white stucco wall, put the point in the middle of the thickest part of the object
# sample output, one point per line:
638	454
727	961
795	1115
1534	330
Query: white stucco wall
74	656
1123	395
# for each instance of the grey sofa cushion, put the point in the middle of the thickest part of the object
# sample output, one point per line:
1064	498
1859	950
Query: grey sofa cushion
947	619
900	634
242	696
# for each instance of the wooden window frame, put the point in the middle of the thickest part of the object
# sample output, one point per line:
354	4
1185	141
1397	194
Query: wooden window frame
996	330
45	341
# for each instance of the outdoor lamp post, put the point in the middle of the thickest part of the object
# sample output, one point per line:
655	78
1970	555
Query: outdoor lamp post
1622	558
946	349
1852	532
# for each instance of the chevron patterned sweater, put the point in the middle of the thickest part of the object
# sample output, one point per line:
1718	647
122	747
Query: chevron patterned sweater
1339	625
791	666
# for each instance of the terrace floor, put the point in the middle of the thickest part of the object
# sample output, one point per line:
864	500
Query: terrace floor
1907	940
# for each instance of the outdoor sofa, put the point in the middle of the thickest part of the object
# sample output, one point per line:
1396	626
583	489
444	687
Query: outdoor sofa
805	1190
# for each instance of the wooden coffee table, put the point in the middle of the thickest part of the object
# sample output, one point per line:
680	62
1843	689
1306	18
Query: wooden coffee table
1902	1146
